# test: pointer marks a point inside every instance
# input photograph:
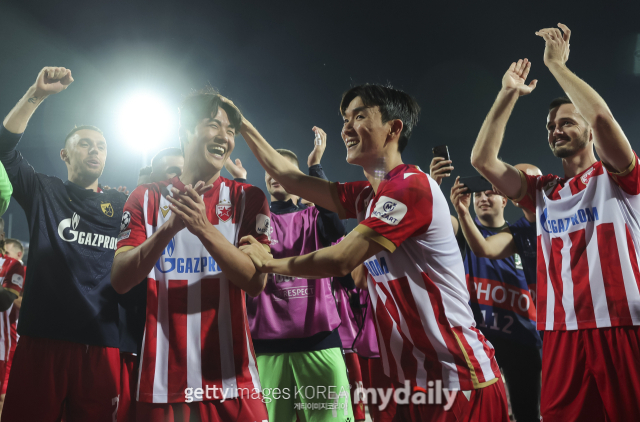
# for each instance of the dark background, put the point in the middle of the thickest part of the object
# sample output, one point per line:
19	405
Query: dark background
286	65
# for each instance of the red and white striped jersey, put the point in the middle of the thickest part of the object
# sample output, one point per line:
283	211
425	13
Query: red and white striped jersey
12	279
588	242
425	327
196	332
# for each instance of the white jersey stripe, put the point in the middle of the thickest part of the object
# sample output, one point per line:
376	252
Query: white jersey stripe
596	282
253	368
567	285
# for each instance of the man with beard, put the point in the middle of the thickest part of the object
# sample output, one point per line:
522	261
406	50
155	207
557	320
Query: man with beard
68	355
588	298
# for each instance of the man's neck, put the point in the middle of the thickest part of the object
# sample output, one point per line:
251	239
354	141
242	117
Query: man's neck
578	162
87	184
193	177
492	221
376	172
284	198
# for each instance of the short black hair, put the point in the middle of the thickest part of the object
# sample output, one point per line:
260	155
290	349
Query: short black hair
289	154
81	127
557	102
201	105
167	152
393	104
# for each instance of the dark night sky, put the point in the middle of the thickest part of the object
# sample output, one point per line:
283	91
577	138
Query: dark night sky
286	65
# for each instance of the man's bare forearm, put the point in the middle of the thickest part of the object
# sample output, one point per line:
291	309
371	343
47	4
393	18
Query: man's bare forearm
132	266
17	119
235	265
286	173
334	261
484	156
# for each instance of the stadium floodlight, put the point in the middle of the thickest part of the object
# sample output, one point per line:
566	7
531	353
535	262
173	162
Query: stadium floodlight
146	121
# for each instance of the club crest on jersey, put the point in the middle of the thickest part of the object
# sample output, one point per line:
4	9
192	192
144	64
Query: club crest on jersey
587	175
224	211
107	209
164	210
389	210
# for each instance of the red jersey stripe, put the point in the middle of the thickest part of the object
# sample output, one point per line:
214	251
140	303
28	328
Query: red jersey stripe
555	269
580	277
612	273
209	318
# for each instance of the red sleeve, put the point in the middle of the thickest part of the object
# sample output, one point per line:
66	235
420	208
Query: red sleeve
132	227
346	196
256	220
629	179
402	209
528	192
14	276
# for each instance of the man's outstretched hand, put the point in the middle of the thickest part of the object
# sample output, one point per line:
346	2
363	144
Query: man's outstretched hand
256	252
516	76
556	50
51	80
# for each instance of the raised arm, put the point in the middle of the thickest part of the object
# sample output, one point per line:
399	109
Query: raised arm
51	80
329	224
484	156
611	143
498	246
285	172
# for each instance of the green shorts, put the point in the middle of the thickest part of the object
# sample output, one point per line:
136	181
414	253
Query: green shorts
313	385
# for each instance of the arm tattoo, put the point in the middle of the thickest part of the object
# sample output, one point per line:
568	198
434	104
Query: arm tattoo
33	100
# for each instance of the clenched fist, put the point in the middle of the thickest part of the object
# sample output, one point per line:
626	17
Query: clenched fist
52	80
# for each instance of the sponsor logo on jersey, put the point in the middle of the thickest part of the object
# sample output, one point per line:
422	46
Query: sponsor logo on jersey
224	211
164	210
517	261
263	225
107	209
377	267
17	279
126	219
389	210
200	264
67	232
562	225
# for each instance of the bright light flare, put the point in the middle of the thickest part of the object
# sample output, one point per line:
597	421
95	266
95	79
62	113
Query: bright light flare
147	121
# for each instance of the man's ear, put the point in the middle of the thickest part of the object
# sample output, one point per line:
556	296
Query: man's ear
64	155
20	254
395	129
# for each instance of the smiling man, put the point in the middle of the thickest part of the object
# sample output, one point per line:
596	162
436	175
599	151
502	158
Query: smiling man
68	351
588	296
197	357
417	285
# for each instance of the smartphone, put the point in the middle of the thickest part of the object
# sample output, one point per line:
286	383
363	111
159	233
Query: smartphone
476	184
441	151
